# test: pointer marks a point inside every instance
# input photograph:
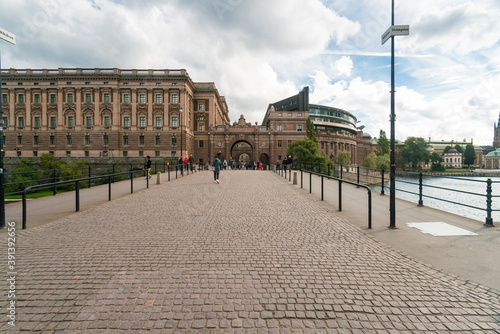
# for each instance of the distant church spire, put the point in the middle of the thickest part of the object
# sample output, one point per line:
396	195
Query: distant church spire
498	125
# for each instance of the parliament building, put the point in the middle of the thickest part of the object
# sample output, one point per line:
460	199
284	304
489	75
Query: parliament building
162	113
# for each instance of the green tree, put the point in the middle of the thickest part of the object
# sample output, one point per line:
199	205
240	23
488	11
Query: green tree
446	149
343	158
459	149
310	132
25	176
383	144
303	150
383	162
415	152
49	161
469	155
436	163
370	161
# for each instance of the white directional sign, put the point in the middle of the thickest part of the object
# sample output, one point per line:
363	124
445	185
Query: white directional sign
395	31
8	36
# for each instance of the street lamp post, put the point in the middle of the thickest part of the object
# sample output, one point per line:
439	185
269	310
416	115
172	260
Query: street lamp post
180	115
11	38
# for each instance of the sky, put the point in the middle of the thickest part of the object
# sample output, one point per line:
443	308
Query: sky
261	51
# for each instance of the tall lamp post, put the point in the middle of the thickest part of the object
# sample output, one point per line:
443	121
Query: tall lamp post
180	115
11	38
390	33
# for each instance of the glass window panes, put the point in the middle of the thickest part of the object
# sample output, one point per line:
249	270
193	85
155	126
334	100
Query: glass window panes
126	98
106	98
35	140
53	122
174	99
125	140
299	127
87	139
71	121
52	140
4	99
88	98
280	128
158	122
68	140
202	107
105	139
5	122
142	121
142	98
37	98
106	121
20	98
70	98
158	140
20	121
141	140
126	121
174	122
158	98
19	140
88	121
37	121
53	99
174	140
201	127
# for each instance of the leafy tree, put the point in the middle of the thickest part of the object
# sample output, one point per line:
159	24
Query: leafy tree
383	144
415	152
469	155
436	163
459	149
303	149
49	161
343	158
446	149
17	182
310	132
383	162
370	161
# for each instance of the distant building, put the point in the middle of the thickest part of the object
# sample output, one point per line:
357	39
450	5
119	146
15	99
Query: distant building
452	159
496	134
492	159
440	146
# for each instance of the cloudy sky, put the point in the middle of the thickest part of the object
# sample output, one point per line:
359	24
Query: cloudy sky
261	51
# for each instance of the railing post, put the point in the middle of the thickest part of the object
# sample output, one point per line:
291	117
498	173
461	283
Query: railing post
77	195
176	169
131	182
24	209
113	172
340	195
358	175
329	169
55	180
109	185
147	180
90	175
310	182
420	190
382	192
301	179
369	208
322	196
169	172
341	171
489	220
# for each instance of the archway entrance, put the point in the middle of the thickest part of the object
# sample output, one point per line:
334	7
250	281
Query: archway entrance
264	159
242	152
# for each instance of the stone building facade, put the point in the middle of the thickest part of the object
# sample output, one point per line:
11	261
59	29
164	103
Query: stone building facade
90	113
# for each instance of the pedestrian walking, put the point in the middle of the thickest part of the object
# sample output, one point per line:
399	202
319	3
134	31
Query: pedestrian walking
147	167
216	164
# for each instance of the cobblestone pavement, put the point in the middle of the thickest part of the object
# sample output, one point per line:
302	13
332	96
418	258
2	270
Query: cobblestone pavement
249	255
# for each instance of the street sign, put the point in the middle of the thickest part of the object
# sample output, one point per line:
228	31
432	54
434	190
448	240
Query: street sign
8	36
395	31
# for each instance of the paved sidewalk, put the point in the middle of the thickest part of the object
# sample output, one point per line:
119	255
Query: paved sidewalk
250	255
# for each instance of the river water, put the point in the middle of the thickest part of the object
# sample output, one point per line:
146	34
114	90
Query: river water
476	185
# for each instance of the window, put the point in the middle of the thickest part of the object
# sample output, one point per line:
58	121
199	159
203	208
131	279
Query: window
280	127
87	139
173	154
53	99
201	107
37	121
299	114
158	140
68	140
68	153
71	121
37	98
19	153
141	153
158	83
280	143
142	121
141	140
87	153
174	140
289	114
158	122
201	118
20	122
35	153
158	98
299	127
105	139
201	127
20	99
3	143
125	140
106	121
279	114
35	140
52	140
174	122
142	98
70	98
322	145
4	99
174	99
331	146
126	98
5	122
53	122
157	154
88	98
88	121
201	143
126	121
106	98
125	153
19	140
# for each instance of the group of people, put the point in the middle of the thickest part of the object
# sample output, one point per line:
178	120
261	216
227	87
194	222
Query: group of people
287	161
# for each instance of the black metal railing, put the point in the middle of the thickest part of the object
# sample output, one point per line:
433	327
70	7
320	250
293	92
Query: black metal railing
378	177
